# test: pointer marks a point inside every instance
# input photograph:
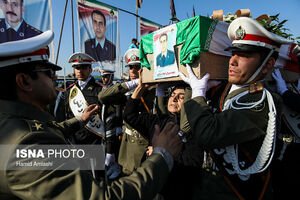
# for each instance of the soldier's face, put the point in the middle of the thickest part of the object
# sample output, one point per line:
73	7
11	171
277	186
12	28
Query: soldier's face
99	26
134	71
241	66
82	72
13	11
163	43
44	90
176	101
107	79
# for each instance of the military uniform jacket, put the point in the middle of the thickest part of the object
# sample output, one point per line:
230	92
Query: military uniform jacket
215	131
24	31
133	145
108	52
24	124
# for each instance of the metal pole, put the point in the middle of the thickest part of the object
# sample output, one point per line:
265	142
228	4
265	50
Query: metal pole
72	26
136	21
61	31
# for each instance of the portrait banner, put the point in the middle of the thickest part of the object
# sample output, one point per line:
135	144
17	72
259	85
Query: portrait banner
98	24
147	26
22	19
164	40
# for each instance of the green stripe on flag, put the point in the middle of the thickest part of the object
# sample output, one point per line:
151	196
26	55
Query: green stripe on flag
195	35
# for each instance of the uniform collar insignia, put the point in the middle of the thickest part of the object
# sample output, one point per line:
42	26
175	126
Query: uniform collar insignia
256	87
38	126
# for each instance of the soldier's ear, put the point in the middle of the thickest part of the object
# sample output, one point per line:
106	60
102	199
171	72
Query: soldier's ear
269	65
24	82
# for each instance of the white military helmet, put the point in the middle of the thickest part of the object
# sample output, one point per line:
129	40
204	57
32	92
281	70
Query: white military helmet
106	72
132	57
247	34
81	59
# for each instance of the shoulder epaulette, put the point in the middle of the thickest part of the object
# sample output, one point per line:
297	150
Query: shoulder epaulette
256	87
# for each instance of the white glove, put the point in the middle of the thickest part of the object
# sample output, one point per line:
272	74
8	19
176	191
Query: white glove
281	85
109	159
113	171
296	51
298	86
199	86
132	84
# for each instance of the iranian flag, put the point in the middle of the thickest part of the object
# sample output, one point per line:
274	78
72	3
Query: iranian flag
147	26
198	34
286	59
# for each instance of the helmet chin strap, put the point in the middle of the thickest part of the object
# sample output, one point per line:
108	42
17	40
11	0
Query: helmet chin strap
108	82
260	68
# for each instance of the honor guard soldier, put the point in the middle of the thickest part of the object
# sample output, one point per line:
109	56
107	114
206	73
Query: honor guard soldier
241	136
13	26
107	77
113	125
26	82
82	64
133	145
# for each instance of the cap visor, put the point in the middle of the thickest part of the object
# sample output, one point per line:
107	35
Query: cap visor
53	66
243	48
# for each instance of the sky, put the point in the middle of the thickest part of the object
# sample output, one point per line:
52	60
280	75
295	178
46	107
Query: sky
159	11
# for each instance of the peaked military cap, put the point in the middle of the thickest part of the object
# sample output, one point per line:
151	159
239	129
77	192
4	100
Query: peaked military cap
106	72
132	57
27	50
247	34
81	59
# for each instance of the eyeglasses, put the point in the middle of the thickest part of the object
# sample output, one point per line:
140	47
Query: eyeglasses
136	67
178	95
48	71
82	66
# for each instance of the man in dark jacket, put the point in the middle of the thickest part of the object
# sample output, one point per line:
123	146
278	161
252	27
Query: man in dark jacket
13	26
100	48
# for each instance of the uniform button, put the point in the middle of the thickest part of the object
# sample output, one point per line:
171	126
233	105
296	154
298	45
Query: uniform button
132	141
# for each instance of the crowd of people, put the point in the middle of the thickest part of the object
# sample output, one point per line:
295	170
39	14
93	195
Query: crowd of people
191	139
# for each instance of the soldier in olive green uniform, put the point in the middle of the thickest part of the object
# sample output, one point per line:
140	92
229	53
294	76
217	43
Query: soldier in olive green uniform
241	136
133	145
24	120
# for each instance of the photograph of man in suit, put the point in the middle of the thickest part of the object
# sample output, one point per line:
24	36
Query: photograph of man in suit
100	48
13	26
166	57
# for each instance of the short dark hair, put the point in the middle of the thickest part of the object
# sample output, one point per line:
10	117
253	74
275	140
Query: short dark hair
134	40
8	78
164	34
98	12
